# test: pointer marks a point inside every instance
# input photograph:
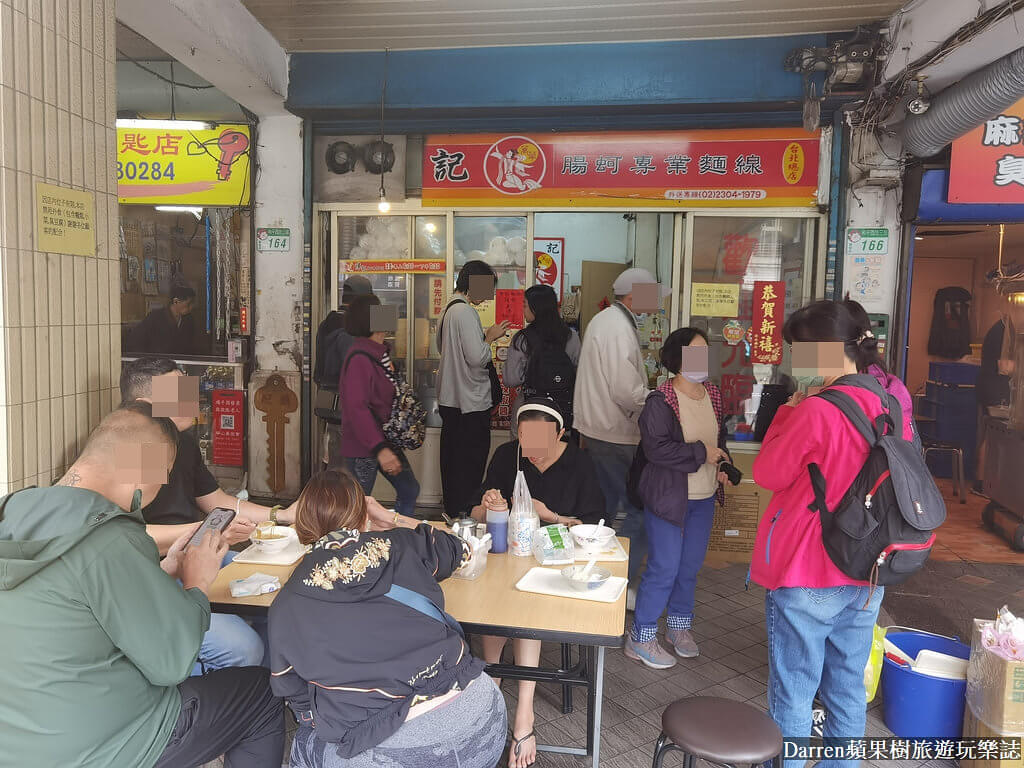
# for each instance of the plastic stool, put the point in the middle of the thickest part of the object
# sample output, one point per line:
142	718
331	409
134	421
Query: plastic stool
720	731
957	454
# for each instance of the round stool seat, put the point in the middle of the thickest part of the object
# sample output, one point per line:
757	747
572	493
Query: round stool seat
722	730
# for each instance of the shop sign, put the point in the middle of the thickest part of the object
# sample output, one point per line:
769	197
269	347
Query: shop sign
387	266
733	331
273	239
766	332
436	296
161	166
726	168
987	164
228	406
738	251
867	242
65	220
548	261
715	299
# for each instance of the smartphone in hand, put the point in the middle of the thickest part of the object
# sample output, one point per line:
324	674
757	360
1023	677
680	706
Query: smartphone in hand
218	520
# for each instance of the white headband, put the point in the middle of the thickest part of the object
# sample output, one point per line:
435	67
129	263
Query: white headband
540	408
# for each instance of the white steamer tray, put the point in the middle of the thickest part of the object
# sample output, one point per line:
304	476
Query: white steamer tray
546	581
290	554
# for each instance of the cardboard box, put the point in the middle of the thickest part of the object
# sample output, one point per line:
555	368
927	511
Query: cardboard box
995	686
735	526
975	729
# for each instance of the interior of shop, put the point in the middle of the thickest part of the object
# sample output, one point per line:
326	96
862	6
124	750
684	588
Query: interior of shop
943	362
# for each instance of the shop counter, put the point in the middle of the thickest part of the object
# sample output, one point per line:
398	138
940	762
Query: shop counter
735	524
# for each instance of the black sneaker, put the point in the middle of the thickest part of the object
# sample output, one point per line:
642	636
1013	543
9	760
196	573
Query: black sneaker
978	490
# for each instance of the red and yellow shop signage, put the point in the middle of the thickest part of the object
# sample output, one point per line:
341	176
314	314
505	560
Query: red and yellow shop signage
389	267
987	164
184	166
727	168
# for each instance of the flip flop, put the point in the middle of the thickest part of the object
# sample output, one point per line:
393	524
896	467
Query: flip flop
517	744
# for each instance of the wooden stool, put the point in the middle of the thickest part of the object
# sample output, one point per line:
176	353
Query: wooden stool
721	731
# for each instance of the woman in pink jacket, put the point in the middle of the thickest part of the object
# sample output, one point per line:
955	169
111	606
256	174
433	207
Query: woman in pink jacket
819	620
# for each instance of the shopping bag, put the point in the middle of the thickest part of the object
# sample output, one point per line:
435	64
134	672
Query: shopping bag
522	520
873	670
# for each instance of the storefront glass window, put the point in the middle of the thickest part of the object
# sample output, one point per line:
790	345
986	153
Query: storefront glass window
738	252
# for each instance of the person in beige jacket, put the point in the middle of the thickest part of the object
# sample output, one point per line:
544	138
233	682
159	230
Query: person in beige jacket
611	388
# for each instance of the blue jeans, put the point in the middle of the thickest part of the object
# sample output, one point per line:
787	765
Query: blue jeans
820	640
613	461
229	642
674	557
407	488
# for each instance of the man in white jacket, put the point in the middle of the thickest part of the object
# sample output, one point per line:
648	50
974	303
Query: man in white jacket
611	387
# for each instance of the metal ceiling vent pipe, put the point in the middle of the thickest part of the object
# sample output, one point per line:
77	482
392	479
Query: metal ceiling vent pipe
978	97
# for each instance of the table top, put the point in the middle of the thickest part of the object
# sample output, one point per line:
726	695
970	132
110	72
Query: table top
488	604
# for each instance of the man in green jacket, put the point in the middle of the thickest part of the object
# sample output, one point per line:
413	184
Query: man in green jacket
97	636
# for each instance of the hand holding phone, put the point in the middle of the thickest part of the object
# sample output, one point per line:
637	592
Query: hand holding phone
218	521
734	475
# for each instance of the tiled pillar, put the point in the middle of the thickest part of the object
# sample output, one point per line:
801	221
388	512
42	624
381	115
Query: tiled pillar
60	314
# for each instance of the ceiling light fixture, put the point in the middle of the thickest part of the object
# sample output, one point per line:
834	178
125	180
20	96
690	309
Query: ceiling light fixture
383	206
184	125
197	212
918	237
382	146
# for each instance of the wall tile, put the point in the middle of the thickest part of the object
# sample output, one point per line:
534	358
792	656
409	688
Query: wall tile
103	358
15	456
35	56
87	87
3	380
49	65
63	147
53	289
115	354
57	436
91	291
67	340
40	297
48	14
62	96
42	371
109	400
23	125
115	291
82	422
67	289
12	286
103	291
26	292
69	442
99	91
81	358
75	22
57	361
4	449
30	441
29	382
19	29
61	18
80	291
104	172
12	352
75	81
9	211
38	138
7	74
43	463
86	24
26	199
93	379
77	148
35	11
8	128
94	410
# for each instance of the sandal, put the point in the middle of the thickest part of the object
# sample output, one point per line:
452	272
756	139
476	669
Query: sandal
517	744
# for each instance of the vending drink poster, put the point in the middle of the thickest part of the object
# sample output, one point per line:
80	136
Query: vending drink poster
766	331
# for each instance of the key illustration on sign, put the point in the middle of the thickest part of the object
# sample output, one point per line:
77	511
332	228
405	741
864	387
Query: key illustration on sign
276	400
230	145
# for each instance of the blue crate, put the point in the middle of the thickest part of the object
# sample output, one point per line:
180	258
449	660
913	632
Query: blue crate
954	373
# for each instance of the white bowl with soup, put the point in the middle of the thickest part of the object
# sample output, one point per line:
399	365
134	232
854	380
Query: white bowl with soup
274	538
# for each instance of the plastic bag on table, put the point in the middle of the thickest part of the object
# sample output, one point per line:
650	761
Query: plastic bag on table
522	520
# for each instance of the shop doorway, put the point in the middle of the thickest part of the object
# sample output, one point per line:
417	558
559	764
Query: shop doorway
943	367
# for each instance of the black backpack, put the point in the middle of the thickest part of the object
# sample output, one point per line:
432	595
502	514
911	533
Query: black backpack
550	373
882	530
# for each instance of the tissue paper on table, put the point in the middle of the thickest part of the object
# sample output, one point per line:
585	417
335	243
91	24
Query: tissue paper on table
256	584
1005	636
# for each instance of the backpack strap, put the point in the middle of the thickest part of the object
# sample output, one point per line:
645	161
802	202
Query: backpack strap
893	410
421	603
440	323
853	413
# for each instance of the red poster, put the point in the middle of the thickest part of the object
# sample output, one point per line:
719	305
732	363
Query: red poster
549	261
436	296
228	427
708	168
738	250
508	305
987	164
766	331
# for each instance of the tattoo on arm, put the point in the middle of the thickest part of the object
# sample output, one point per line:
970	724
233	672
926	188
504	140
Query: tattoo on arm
71	478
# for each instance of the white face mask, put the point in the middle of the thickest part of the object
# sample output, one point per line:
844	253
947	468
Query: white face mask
696	377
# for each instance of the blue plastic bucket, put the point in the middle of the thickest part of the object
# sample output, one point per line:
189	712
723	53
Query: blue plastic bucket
921	706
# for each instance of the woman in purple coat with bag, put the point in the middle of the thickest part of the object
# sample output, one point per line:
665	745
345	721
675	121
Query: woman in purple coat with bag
682	433
367	392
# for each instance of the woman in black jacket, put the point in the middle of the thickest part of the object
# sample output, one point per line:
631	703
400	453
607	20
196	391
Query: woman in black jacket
682	433
360	647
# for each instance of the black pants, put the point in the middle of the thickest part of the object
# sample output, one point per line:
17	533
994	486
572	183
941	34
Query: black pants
228	712
465	443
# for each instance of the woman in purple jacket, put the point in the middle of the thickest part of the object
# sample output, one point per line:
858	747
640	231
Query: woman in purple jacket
682	434
367	391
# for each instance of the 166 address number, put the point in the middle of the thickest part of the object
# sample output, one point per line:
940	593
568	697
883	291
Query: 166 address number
144	171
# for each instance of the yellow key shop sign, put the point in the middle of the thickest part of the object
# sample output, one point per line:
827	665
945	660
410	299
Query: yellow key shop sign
184	166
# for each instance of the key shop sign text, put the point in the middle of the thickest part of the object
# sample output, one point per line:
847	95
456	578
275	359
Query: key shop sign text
719	168
987	164
178	166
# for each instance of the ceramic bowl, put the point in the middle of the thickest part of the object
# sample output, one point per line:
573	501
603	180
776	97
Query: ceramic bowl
592	538
597	577
287	535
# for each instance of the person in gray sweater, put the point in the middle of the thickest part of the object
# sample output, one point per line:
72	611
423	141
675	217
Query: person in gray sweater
464	387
